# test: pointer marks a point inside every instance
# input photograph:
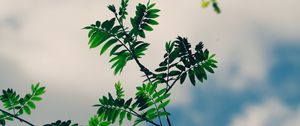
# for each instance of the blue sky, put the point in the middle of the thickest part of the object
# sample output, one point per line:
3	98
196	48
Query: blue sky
257	45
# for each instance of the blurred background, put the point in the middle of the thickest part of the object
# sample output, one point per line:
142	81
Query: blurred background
257	45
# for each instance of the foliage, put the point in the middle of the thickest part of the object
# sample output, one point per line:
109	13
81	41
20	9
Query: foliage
146	106
144	17
61	123
124	43
127	44
180	62
119	90
150	100
96	121
18	105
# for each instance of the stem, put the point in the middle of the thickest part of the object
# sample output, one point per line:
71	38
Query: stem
16	117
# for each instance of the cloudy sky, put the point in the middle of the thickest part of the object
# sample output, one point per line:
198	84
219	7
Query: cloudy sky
257	45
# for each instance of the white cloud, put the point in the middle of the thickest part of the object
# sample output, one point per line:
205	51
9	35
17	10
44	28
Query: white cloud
271	112
294	119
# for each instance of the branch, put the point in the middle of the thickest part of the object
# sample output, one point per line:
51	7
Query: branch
16	117
142	67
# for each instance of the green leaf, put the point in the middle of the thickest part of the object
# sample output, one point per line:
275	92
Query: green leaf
153	11
108	24
98	38
33	87
27	110
151	6
174	73
2	122
115	115
192	76
133	22
152	88
36	98
213	65
142	47
198	73
122	116
112	8
208	68
150	21
150	111
180	67
119	91
40	91
161	69
115	29
92	32
31	105
104	123
128	102
88	27
173	55
156	94
129	116
146	27
120	35
107	45
98	24
163	113
152	15
141	33
182	77
164	104
163	97
114	49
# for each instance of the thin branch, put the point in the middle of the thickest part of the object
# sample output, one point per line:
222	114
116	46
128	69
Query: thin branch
16	117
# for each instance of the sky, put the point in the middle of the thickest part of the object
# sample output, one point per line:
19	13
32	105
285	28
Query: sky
256	42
